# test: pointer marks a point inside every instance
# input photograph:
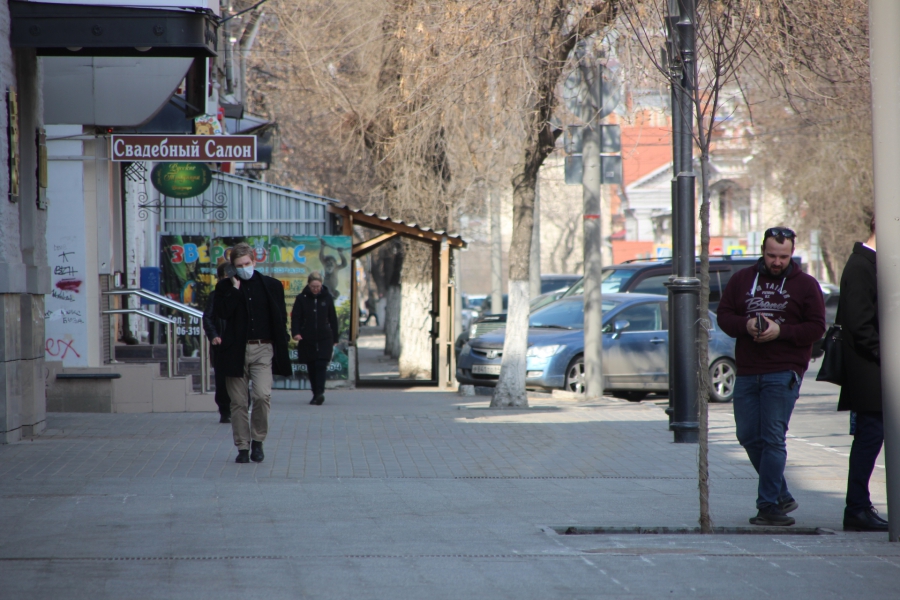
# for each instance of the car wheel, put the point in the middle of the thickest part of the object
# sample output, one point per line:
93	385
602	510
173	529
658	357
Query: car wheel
575	376
722	377
630	396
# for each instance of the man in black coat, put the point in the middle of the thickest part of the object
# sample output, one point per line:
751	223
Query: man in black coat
254	346
314	326
861	391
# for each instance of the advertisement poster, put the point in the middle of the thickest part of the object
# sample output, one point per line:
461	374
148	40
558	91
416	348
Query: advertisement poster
189	263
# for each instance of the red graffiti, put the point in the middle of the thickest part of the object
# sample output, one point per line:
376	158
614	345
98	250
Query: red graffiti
69	285
59	348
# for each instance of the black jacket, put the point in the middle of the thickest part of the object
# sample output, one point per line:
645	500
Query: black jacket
211	325
858	316
231	306
315	320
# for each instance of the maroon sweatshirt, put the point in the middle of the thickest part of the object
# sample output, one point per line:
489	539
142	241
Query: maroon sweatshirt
793	301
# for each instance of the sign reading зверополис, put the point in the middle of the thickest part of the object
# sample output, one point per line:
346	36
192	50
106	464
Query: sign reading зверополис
177	148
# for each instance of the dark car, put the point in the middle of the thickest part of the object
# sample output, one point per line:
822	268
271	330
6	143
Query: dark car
635	349
650	276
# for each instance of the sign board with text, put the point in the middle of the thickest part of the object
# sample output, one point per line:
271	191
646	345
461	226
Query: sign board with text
178	148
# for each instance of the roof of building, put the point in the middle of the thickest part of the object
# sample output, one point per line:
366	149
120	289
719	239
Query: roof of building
644	150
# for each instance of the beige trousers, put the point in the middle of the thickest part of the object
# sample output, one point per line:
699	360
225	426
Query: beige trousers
258	369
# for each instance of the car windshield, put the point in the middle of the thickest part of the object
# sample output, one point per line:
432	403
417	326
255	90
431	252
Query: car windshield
614	281
568	314
557	283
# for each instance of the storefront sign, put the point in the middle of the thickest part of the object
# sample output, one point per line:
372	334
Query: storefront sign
173	148
181	179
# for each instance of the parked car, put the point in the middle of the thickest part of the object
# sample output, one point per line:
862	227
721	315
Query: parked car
650	276
552	282
635	349
832	295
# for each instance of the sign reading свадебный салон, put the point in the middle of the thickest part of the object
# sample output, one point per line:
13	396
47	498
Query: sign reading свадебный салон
177	148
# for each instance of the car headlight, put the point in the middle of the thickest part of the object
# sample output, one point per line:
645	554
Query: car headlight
543	351
466	349
472	330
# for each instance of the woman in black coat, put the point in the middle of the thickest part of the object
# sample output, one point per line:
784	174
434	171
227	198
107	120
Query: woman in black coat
314	326
215	329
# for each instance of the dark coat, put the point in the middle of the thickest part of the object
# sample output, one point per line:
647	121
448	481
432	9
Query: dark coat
231	306
315	320
858	316
214	328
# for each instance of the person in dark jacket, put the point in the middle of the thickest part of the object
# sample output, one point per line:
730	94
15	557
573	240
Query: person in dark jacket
314	326
214	329
861	391
771	361
254	347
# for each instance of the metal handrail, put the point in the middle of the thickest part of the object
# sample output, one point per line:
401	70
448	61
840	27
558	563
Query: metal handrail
159	299
180	307
171	354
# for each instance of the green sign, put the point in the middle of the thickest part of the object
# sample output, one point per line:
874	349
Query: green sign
181	179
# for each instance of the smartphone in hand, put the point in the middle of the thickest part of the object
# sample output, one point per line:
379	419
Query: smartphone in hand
761	324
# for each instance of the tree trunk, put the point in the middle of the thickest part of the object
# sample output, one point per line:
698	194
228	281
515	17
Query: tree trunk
510	390
703	342
415	312
392	304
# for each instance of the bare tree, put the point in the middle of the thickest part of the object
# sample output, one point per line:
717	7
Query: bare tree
550	30
722	29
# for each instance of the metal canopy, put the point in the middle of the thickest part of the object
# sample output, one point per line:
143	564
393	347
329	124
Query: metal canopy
78	30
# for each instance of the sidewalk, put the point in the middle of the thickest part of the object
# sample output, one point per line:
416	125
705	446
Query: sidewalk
389	494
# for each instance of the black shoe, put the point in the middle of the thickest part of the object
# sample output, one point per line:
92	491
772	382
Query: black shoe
318	399
224	419
243	456
865	520
772	515
789	505
313	401
256	451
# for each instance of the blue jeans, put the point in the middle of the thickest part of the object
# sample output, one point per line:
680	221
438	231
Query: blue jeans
762	409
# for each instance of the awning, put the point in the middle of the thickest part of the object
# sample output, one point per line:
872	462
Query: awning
78	30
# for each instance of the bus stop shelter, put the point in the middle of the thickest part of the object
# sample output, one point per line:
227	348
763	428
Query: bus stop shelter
443	293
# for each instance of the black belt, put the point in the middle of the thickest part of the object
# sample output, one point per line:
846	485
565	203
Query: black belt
259	342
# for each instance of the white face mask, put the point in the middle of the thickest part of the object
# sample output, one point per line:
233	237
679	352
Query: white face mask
244	273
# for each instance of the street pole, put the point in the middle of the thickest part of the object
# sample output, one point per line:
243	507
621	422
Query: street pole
684	287
496	254
884	59
593	265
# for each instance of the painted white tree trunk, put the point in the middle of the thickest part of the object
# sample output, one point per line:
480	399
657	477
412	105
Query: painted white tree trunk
510	390
415	331
415	313
392	321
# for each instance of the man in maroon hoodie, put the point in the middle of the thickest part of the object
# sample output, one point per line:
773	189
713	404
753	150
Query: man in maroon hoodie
776	312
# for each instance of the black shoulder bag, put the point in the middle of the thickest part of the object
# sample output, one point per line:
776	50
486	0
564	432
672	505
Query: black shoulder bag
832	369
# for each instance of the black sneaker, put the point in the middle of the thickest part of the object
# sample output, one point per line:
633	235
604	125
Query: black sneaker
243	456
256	451
789	505
772	515
319	399
224	419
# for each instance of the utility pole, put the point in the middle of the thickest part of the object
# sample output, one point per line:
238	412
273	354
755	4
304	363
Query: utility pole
496	254
884	57
684	287
593	262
